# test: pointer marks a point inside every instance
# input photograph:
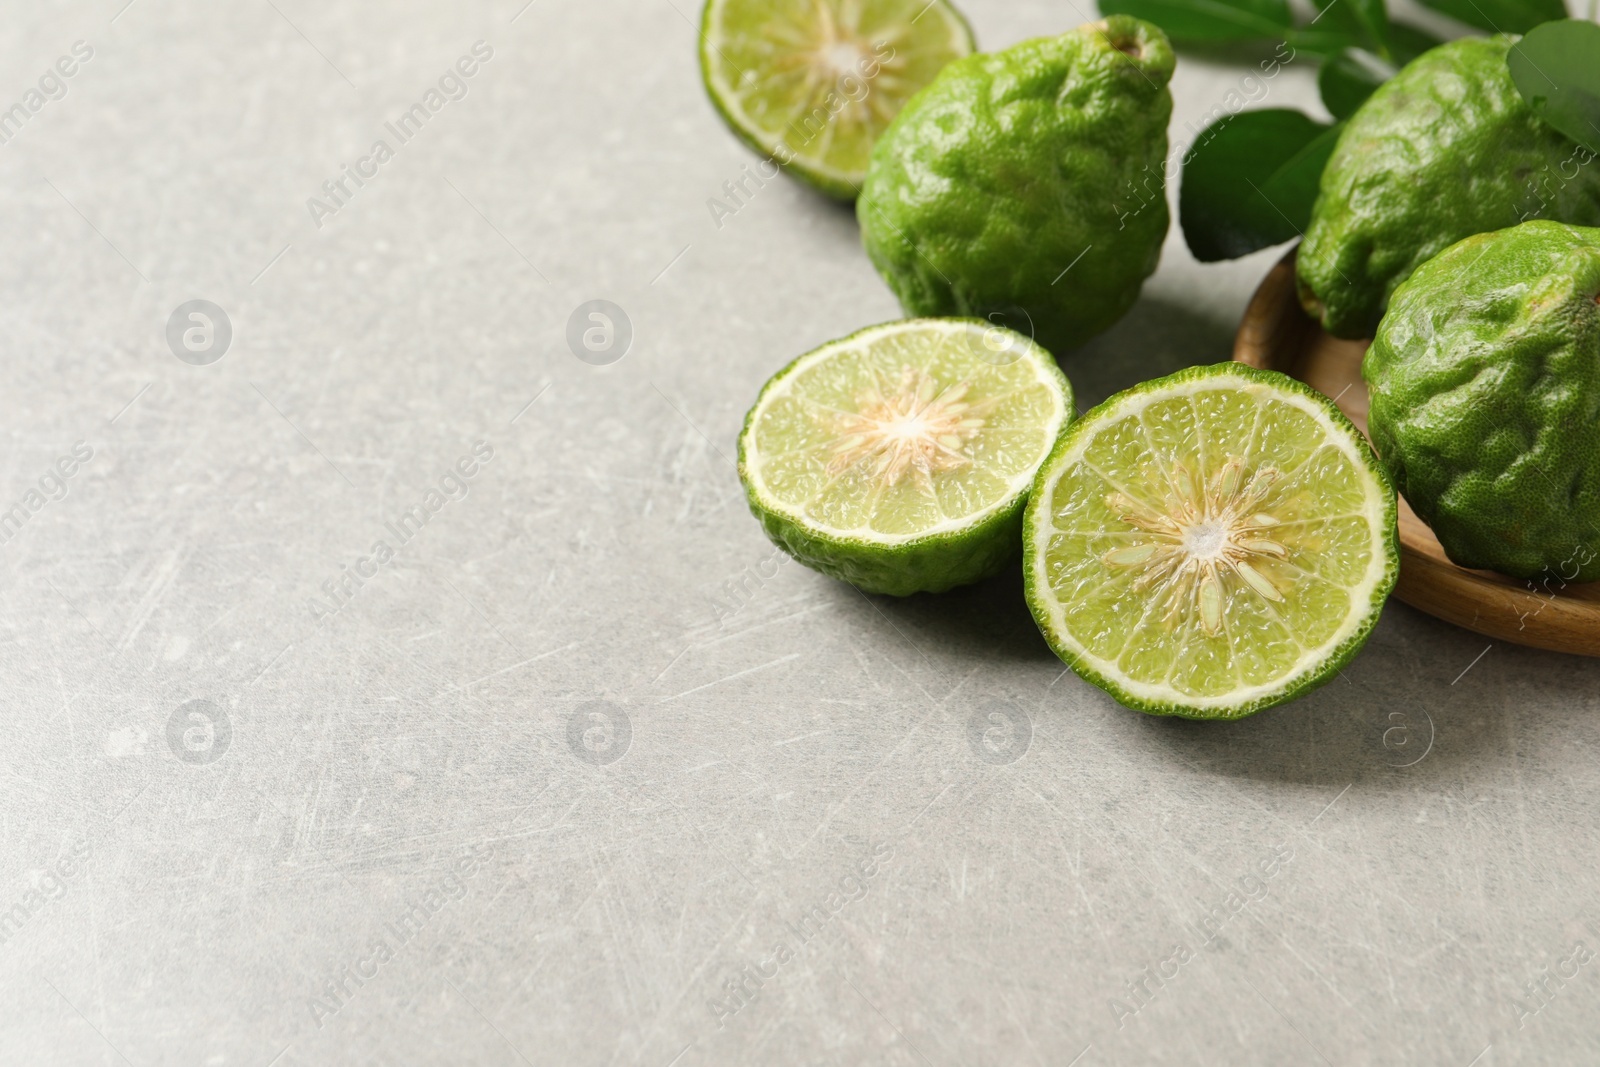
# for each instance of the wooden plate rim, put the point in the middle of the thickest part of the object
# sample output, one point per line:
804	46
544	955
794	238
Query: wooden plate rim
1275	334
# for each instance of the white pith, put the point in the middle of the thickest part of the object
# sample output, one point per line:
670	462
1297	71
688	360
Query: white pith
834	52
1361	594
976	333
1208	538
911	428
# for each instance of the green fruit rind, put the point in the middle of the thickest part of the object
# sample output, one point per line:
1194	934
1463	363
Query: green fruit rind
933	564
1316	666
1485	389
966	550
831	181
1445	149
1028	183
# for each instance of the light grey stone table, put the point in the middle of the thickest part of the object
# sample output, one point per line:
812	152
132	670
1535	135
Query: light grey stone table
585	773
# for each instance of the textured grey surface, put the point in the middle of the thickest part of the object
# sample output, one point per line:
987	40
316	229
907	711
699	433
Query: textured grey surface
997	850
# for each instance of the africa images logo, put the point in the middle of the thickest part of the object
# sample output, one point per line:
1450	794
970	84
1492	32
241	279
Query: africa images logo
52	86
199	732
199	332
453	85
599	732
52	487
599	332
453	485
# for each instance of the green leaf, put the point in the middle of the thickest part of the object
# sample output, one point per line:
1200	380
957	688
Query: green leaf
1347	79
1501	16
1362	23
1408	42
1374	20
1556	68
1209	20
1251	180
1324	40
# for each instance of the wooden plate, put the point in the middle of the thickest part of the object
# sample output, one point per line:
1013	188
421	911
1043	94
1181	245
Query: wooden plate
1277	335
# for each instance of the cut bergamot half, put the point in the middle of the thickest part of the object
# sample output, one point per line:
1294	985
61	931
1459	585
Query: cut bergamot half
812	83
1211	543
899	459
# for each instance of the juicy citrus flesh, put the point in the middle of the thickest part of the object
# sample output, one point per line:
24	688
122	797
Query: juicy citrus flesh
1211	543
813	83
905	431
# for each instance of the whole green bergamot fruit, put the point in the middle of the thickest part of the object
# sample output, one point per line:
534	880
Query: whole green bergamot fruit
1485	383
1027	186
1445	149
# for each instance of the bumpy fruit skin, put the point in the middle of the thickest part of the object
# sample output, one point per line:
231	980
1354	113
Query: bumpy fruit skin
1445	149
934	564
1010	166
1485	383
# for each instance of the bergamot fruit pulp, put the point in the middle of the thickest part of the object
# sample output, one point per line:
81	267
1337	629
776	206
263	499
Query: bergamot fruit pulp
1210	543
812	84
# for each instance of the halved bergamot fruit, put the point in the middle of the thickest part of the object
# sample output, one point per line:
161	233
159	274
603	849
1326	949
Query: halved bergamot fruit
899	458
1211	543
811	84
